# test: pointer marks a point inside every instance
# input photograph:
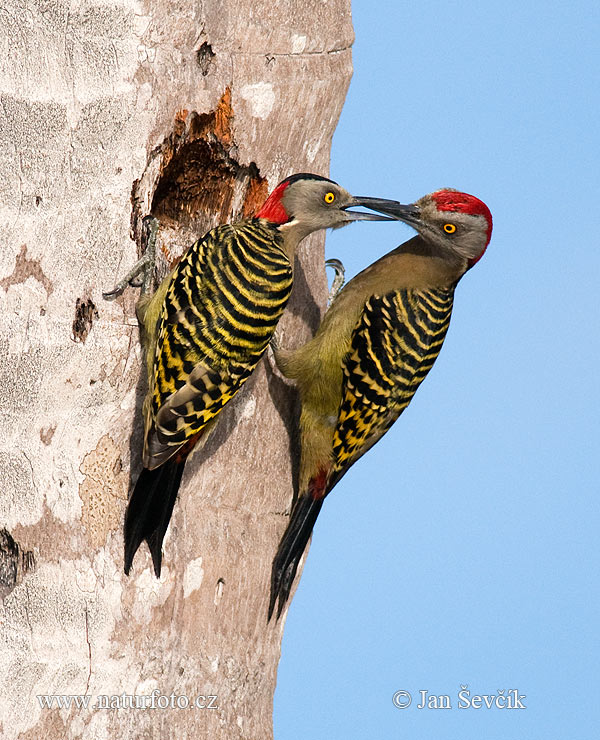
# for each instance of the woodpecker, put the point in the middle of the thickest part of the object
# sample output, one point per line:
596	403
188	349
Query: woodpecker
206	328
376	343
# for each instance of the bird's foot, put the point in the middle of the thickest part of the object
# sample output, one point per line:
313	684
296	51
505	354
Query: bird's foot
145	265
272	351
276	358
338	278
274	344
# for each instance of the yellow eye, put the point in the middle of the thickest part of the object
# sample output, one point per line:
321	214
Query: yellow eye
329	197
449	228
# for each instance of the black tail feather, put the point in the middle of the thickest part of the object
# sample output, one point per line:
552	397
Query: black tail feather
149	511
290	550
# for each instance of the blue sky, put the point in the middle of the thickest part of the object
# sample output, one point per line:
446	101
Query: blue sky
463	549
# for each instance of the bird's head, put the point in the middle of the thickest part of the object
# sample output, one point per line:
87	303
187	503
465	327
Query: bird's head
449	219
307	203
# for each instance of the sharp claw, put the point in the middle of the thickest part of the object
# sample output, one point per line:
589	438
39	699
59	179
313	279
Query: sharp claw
151	225
338	279
145	264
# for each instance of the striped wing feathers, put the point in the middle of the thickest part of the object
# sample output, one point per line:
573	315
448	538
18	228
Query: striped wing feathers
220	311
393	347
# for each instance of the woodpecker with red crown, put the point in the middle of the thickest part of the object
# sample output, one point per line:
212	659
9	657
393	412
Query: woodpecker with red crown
206	328
376	344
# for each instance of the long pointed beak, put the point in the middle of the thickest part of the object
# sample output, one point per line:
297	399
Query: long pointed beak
366	202
410	214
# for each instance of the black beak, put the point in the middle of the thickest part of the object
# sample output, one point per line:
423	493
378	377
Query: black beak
367	203
410	214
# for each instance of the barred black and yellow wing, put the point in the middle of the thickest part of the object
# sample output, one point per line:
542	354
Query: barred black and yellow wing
394	345
219	314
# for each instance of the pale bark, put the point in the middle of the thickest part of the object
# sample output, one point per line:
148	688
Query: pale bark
205	105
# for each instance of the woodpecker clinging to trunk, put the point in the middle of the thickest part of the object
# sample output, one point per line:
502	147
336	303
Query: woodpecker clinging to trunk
206	328
375	346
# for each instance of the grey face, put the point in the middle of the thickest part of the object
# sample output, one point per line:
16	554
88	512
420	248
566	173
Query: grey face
322	204
464	234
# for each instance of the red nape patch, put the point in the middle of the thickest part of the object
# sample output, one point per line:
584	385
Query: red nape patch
452	200
317	485
273	209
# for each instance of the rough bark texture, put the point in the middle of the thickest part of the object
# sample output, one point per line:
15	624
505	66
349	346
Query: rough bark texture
110	111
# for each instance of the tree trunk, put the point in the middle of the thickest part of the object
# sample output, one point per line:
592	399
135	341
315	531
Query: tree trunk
111	111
